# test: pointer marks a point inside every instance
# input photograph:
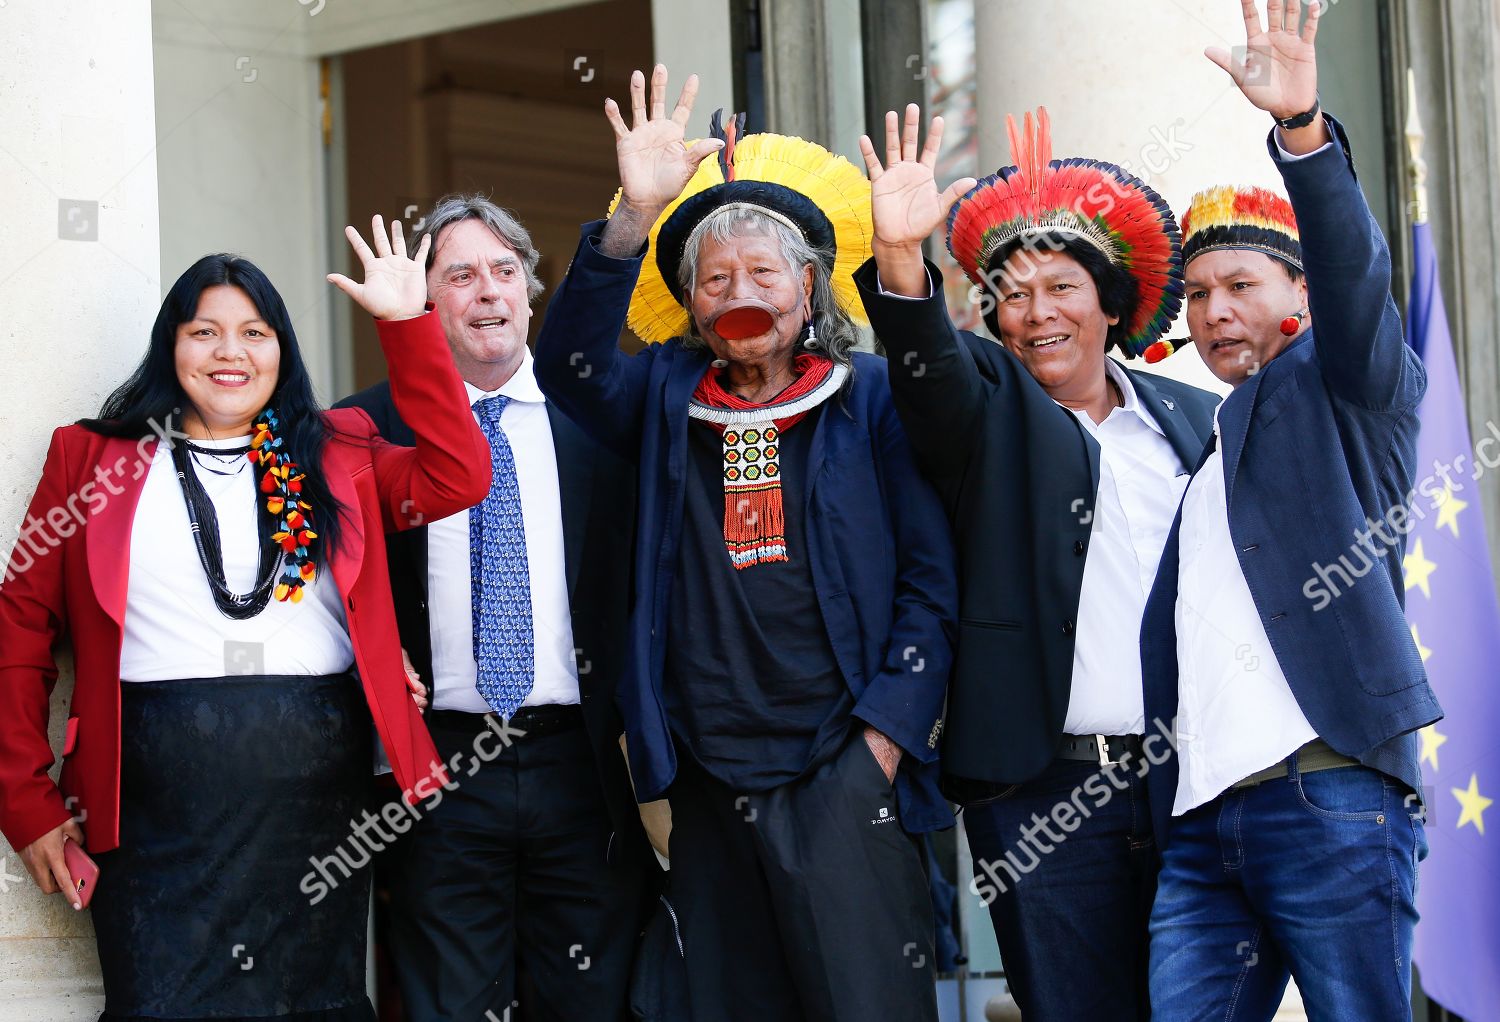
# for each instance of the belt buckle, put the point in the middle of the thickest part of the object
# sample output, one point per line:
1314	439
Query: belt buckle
1103	743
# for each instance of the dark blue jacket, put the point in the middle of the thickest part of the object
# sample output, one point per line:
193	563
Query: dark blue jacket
1320	441
879	544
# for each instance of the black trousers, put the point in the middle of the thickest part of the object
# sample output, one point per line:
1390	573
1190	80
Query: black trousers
511	871
807	901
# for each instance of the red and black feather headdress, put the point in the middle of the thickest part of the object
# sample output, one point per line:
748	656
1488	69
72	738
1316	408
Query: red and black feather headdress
1100	203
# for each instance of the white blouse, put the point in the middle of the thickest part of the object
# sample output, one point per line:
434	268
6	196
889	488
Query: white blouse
173	629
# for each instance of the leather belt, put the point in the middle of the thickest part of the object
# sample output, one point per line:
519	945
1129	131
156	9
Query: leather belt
1101	749
533	721
1315	755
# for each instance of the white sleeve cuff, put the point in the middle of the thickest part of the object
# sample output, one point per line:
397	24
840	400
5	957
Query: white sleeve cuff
1287	157
905	298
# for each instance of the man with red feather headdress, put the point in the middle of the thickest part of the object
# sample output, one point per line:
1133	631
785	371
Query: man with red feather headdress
1061	469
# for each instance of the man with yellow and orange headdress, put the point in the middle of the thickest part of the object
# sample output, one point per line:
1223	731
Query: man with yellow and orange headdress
1290	818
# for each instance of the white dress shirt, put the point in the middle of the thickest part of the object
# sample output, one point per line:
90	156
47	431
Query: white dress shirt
449	594
1141	480
173	628
1235	711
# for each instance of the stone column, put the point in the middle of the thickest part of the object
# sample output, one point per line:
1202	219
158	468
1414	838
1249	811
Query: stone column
814	73
692	37
79	288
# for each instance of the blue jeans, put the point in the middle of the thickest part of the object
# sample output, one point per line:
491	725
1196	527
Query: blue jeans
1070	915
1312	875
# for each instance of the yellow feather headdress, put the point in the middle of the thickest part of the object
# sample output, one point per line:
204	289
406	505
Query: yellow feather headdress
824	195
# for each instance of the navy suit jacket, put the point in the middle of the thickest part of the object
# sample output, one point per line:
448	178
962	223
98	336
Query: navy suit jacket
1320	442
880	547
1018	475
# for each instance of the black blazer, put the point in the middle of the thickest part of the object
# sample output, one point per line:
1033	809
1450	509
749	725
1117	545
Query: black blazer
597	492
1018	475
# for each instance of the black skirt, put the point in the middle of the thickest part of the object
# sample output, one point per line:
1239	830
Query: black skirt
231	789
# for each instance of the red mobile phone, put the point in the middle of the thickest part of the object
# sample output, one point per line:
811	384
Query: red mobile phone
82	869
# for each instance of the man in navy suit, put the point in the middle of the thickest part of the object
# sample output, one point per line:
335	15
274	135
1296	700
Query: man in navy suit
1290	818
1061	470
536	862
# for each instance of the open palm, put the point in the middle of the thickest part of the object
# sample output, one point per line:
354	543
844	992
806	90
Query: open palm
1278	70
655	166
906	205
395	285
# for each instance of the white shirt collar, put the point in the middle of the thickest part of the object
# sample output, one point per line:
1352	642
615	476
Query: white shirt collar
521	386
1132	400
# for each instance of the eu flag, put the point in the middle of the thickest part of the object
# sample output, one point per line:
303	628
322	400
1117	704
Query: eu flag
1455	619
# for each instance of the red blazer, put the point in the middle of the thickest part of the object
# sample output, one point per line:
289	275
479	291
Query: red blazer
87	497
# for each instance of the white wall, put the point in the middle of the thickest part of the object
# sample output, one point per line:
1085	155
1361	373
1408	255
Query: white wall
77	298
240	159
692	37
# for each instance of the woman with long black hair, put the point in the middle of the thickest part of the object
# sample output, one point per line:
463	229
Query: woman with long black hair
213	543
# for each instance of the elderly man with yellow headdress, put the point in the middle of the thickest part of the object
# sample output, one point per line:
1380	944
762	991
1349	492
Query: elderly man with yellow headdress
795	588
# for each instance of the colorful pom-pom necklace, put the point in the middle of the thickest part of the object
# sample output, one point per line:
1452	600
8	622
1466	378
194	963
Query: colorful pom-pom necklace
281	481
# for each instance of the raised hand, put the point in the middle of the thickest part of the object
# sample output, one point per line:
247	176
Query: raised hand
395	285
1279	69
906	205
655	166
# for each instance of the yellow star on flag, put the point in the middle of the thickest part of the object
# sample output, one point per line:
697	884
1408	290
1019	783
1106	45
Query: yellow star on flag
1423	650
1418	570
1449	508
1474	804
1432	741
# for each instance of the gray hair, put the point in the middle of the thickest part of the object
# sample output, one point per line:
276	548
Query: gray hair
837	335
457	207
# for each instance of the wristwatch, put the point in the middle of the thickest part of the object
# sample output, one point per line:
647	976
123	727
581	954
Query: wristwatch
1302	120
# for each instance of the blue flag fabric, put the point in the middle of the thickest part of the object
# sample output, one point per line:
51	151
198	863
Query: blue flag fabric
1455	617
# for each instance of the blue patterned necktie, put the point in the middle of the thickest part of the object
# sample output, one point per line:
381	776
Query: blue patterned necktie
504	652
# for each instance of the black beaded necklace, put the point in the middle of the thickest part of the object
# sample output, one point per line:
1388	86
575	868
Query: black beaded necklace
204	520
